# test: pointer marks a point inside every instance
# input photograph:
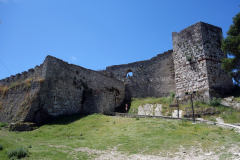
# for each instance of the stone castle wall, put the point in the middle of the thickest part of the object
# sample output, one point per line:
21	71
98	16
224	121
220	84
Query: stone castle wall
70	89
151	78
57	88
219	81
197	53
66	89
19	92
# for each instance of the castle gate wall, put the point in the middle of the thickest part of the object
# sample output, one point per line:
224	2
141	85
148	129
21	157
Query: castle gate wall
151	78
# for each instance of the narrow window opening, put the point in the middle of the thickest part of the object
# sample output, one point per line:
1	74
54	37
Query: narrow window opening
129	73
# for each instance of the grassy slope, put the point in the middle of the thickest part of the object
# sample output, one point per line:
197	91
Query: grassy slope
229	115
58	139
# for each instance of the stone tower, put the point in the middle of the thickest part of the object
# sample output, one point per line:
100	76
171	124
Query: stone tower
197	54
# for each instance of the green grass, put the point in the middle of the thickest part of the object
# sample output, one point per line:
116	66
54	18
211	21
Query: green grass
60	138
3	124
19	152
227	114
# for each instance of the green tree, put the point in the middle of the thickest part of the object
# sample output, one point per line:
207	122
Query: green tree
231	46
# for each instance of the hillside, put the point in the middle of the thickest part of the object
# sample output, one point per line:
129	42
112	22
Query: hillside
105	137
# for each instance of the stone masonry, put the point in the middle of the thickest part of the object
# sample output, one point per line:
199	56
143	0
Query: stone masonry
151	78
67	89
197	53
57	88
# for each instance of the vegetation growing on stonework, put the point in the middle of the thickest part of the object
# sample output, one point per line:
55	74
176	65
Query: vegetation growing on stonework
189	58
41	81
1	105
23	85
24	106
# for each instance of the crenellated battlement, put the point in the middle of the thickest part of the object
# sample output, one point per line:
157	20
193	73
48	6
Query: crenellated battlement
31	73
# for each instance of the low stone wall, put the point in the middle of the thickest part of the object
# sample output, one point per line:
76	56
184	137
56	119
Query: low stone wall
22	127
225	125
150	109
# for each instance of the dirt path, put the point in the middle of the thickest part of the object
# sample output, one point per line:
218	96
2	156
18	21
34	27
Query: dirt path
193	154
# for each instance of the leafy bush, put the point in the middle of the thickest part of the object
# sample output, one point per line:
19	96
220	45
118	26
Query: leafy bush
172	94
189	58
1	147
137	118
19	152
215	102
3	124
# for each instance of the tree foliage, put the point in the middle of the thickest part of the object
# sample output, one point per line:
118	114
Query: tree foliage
231	46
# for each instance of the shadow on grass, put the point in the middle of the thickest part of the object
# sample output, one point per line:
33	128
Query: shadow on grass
67	119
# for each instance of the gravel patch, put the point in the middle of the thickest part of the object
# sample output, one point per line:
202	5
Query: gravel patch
187	154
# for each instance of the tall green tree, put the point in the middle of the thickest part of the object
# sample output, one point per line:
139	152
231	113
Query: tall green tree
231	46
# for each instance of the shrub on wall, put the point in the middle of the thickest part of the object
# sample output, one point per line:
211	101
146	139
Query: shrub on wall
3	91
24	85
172	94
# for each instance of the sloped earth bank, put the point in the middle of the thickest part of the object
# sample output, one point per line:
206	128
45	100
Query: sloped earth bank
188	154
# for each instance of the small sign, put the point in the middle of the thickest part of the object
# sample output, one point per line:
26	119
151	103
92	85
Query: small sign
173	105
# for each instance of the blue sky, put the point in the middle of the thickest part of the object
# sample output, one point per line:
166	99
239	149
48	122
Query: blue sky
98	33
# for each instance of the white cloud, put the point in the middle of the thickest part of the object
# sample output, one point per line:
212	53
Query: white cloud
73	58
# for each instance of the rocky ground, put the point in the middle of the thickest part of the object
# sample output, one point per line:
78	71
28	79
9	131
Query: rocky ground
192	154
